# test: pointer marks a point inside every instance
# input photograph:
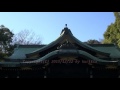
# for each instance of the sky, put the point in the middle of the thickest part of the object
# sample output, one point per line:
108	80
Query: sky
48	25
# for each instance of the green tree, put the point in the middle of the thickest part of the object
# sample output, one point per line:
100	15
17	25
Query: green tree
5	40
112	34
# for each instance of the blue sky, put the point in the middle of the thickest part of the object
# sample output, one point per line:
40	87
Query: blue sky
48	25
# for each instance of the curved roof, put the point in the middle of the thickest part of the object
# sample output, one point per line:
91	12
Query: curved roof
19	53
88	46
66	34
108	48
59	53
70	52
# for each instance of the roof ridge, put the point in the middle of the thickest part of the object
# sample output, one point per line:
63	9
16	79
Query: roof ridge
30	46
101	44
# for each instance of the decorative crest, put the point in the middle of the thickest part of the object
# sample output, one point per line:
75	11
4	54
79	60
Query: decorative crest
66	25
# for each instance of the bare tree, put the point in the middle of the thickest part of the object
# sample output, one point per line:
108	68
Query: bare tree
101	41
26	37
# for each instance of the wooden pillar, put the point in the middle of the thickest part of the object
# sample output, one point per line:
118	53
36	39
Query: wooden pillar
18	74
91	74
